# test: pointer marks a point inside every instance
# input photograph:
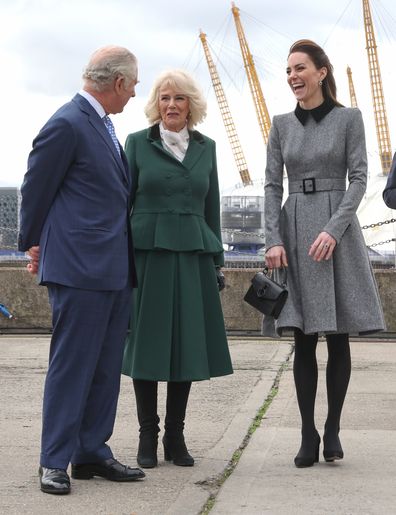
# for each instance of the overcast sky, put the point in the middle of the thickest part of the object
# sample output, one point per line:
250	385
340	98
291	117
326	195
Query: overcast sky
46	43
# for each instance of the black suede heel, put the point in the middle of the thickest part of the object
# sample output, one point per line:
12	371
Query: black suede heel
175	450
332	449
308	453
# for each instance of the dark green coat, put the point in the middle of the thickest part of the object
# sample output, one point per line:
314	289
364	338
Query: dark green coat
177	328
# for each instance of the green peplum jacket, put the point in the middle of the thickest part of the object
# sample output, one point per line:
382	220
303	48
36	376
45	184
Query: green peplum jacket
175	204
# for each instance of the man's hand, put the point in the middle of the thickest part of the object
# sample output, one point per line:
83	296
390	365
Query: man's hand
34	254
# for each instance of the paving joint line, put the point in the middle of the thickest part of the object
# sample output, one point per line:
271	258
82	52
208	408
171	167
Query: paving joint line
214	484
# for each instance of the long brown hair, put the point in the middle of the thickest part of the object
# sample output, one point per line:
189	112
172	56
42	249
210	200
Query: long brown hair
320	60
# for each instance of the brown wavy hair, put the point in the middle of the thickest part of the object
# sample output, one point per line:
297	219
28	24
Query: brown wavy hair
320	60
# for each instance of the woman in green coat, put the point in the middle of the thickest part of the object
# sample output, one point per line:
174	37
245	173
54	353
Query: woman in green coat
177	328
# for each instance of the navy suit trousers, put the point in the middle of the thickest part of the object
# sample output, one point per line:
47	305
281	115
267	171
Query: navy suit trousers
83	379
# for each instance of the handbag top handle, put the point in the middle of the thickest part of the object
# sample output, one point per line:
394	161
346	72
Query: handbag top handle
267	271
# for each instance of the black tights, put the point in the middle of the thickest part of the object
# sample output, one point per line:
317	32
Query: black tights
305	371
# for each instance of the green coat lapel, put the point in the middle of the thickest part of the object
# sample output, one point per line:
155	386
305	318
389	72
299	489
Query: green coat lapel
195	149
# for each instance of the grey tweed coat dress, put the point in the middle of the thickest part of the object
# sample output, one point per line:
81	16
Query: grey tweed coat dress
339	295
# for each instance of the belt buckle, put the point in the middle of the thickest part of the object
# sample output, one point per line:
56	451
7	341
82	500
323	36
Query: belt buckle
309	185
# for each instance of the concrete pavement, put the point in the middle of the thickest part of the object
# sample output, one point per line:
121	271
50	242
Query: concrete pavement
220	413
266	481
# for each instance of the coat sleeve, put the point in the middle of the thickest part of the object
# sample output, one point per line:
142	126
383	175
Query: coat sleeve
273	189
356	159
389	194
212	206
48	162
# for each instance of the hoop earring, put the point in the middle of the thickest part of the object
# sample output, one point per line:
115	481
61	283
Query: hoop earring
320	83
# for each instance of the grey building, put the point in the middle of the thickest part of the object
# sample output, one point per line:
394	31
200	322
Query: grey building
9	218
242	218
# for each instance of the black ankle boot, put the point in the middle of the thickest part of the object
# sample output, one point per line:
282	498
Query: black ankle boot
147	450
309	452
175	450
332	449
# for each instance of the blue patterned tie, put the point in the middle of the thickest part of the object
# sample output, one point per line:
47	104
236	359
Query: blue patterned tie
110	128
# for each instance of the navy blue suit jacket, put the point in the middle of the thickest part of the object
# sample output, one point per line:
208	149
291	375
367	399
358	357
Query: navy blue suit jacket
75	202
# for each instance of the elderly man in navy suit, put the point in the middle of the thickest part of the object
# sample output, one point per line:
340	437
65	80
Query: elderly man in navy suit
74	225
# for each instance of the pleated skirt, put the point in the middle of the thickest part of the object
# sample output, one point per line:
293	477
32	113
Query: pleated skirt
335	296
177	328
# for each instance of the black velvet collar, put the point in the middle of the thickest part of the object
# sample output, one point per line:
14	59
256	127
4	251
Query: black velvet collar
154	133
318	113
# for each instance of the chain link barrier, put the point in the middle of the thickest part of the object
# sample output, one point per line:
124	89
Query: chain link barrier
256	234
381	243
364	227
378	224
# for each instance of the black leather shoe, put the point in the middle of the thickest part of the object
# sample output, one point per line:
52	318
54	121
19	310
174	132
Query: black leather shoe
54	481
110	469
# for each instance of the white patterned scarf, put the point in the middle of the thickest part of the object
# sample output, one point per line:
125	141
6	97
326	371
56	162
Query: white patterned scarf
175	142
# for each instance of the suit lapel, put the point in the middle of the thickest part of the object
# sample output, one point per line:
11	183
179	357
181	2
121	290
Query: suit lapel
97	123
99	126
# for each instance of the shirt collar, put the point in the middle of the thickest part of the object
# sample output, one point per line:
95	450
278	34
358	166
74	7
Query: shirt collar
94	103
318	113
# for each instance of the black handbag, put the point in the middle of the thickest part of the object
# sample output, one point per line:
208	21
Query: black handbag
266	295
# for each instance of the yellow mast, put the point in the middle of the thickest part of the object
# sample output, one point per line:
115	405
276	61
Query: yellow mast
254	83
381	120
226	115
351	88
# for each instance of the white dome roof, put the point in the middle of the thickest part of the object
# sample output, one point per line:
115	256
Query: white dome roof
239	190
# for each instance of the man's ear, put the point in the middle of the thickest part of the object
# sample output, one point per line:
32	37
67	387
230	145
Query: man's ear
119	84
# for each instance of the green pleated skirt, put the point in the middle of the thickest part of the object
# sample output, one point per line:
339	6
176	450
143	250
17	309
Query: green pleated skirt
177	328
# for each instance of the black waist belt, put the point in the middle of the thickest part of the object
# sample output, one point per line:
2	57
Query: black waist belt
313	185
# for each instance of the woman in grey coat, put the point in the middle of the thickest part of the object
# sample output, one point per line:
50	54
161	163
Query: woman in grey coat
316	234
